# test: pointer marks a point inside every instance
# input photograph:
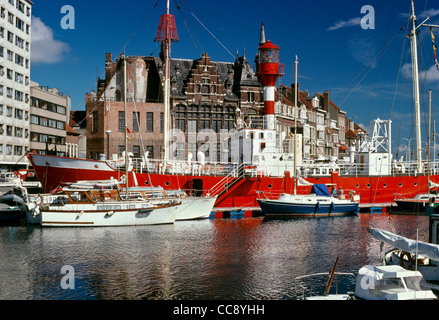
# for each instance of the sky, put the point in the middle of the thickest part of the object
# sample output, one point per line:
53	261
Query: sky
357	50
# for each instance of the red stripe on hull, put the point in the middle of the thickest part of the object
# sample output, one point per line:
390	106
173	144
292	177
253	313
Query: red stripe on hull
371	189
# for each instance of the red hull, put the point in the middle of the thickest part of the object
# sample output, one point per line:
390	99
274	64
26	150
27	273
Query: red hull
372	190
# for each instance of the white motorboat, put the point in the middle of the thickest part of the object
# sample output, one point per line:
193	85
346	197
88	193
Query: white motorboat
99	208
191	207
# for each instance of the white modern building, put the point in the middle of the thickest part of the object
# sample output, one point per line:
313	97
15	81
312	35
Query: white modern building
15	49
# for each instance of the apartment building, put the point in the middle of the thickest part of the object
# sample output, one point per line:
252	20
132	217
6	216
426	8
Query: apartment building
49	116
15	49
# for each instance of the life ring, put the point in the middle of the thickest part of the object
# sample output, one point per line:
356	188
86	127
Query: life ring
409	260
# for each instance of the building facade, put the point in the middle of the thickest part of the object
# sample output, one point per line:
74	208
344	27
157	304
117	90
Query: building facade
49	115
15	49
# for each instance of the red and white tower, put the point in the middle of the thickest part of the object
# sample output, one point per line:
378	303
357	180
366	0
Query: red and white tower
268	71
167	33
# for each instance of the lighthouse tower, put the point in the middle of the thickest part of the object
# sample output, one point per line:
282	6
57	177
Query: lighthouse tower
268	71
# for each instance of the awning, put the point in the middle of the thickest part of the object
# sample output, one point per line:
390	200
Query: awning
344	148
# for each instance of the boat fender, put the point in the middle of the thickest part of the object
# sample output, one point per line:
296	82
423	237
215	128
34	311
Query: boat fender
332	206
432	200
79	215
110	213
317	206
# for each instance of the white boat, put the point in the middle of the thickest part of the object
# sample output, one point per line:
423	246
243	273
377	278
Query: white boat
100	208
391	283
191	207
373	283
411	254
318	203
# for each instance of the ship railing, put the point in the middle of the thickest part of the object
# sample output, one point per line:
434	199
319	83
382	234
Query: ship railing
228	181
179	167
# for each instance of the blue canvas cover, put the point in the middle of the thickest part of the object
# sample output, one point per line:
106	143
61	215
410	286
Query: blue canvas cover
320	190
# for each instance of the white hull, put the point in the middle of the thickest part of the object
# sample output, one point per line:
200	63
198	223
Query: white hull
98	215
193	208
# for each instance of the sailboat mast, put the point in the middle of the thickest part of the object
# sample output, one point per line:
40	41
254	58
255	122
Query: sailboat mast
167	52
296	106
126	120
416	95
429	141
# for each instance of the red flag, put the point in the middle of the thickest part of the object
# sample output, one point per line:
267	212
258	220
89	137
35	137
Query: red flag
128	130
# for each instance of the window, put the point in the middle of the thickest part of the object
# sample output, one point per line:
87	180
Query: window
19	42
9	131
121	126
18	95
10	56
19	60
10	37
136	151
149	122
136	121
204	117
95	122
180	117
150	150
1	109
19	24
9	93
2	51
9	112
8	150
18	114
9	74
18	132
162	122
18	77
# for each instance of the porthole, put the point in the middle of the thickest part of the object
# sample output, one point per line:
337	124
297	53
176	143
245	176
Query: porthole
147	182
167	183
270	186
357	186
368	185
385	185
416	184
400	185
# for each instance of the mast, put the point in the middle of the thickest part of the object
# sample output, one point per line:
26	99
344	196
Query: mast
167	52
166	33
126	121
296	105
429	141
416	95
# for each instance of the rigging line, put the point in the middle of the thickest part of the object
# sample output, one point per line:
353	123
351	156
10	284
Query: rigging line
369	66
207	29
379	56
396	86
140	26
195	41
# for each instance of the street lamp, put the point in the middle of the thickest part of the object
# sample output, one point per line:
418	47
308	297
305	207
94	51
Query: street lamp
108	132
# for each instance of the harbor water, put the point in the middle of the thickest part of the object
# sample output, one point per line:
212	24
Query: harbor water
215	259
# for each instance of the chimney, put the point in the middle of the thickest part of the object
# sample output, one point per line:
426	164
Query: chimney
108	65
326	100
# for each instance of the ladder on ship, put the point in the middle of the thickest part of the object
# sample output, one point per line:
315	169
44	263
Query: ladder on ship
228	182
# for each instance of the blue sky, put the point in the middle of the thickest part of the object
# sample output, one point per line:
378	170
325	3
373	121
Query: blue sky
335	53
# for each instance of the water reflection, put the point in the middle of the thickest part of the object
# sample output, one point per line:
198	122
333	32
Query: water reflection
248	258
